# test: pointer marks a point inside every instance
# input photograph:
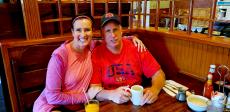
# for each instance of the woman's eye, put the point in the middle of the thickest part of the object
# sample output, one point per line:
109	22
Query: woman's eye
78	30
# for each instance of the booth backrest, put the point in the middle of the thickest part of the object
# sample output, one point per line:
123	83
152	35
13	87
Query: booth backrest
25	67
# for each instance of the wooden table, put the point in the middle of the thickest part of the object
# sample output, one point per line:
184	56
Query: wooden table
165	103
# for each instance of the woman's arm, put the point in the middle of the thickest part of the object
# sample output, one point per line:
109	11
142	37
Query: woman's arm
55	76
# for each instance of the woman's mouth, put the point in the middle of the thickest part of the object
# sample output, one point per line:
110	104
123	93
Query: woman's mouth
82	40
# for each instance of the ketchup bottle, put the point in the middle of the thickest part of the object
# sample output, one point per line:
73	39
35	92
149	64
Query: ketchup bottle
208	87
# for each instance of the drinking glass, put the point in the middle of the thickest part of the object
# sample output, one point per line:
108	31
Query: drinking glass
92	106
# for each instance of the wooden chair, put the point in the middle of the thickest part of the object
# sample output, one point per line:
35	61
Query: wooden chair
25	65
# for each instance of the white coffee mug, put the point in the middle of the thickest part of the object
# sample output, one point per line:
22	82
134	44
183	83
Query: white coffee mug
137	94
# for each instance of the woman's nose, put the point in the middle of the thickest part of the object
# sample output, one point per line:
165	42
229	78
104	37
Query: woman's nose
83	33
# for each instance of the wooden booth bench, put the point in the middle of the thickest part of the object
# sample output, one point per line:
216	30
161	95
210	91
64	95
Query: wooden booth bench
25	65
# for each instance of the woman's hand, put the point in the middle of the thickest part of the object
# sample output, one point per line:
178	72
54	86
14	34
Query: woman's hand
92	91
137	42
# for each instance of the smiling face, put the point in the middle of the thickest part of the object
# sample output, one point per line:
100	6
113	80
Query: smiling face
112	33
82	33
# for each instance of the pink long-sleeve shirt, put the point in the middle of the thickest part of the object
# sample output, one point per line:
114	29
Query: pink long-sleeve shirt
68	74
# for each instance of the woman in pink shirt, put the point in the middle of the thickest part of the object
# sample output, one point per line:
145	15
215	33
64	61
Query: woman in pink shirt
70	69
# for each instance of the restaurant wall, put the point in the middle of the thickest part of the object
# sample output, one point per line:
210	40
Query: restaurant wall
182	54
194	58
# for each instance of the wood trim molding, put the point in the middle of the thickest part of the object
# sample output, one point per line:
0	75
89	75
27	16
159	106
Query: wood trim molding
10	83
194	37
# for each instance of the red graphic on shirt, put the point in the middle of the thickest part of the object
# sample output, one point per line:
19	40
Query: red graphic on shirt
119	72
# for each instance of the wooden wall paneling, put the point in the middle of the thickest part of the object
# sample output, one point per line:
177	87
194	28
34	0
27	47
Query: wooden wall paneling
222	56
175	47
194	58
207	60
167	57
176	51
211	56
203	60
199	58
170	47
192	62
211	51
160	49
219	56
228	54
190	57
225	57
214	52
31	19
181	53
203	69
186	54
182	43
